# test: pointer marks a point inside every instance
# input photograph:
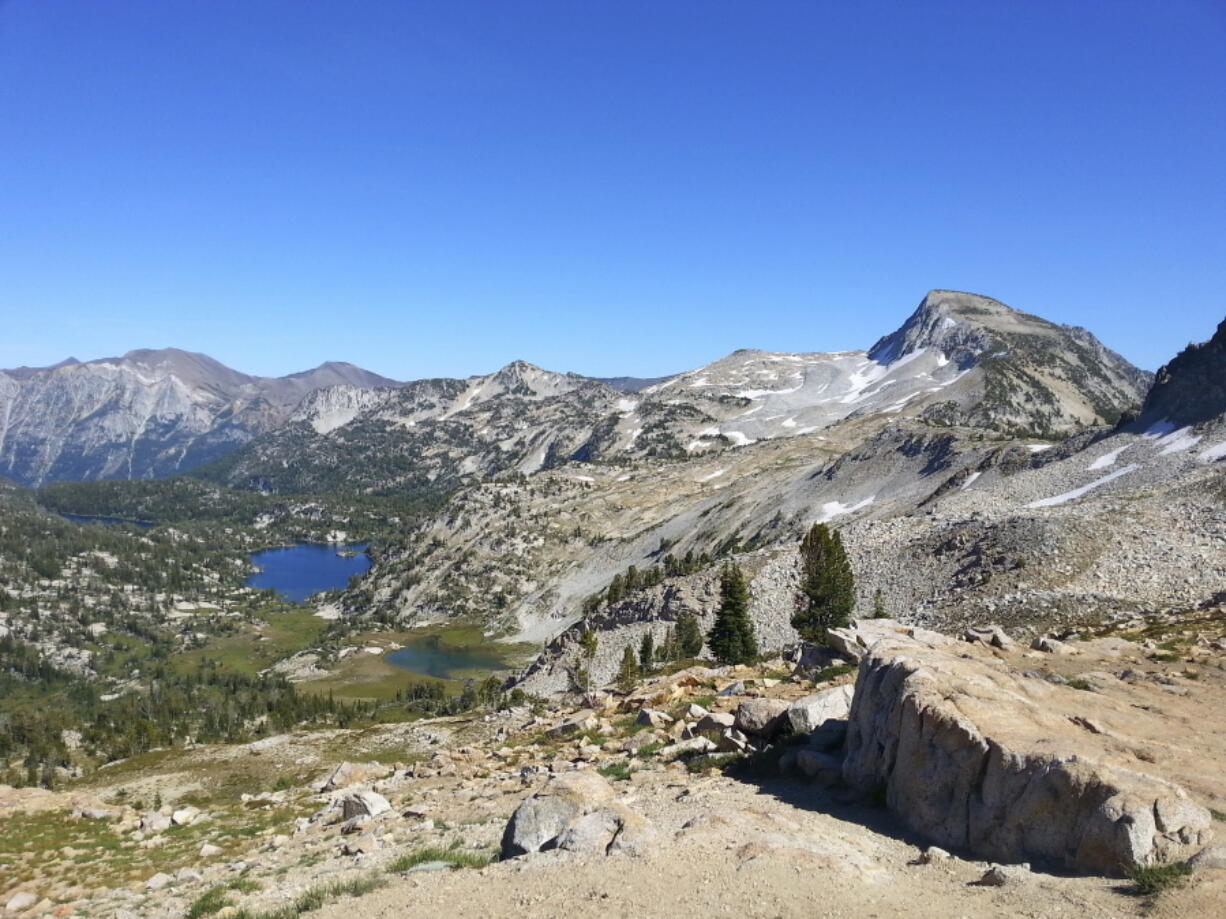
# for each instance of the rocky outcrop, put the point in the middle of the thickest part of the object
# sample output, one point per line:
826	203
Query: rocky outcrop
1192	387
576	812
979	759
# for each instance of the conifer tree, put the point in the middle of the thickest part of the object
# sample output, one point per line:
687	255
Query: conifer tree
628	672
827	583
731	638
647	653
689	636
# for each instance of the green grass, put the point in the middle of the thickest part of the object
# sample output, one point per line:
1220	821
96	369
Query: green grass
833	673
1079	683
317	897
208	903
1156	879
451	856
1217	815
619	771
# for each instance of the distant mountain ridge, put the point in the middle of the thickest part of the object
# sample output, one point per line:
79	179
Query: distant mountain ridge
959	360
146	414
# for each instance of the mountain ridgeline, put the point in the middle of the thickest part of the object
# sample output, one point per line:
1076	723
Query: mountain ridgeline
960	359
145	415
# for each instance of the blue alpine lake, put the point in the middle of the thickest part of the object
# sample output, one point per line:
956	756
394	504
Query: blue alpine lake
297	572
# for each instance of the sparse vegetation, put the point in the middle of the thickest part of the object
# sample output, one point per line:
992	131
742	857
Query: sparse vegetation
1152	880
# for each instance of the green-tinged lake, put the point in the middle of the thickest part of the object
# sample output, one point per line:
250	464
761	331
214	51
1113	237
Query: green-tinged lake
448	657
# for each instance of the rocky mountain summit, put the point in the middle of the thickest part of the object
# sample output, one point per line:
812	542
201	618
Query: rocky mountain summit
146	414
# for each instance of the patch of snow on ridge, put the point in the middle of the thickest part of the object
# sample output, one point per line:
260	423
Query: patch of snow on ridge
1216	452
738	439
1078	492
626	405
713	475
1178	441
832	509
1038	448
761	393
970	480
1108	459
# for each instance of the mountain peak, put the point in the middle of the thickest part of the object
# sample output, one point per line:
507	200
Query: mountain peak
951	321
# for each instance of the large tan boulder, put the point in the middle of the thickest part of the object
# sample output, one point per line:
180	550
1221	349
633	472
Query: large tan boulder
977	758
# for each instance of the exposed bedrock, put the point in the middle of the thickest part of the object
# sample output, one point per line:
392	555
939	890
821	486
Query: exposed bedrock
1004	766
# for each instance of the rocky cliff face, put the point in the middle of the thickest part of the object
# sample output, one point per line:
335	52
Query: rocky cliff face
1192	388
147	414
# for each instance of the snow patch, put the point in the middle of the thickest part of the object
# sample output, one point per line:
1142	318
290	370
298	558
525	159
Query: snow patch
1214	453
970	480
832	509
626	405
1078	492
714	475
761	393
1178	441
1108	459
1038	448
738	439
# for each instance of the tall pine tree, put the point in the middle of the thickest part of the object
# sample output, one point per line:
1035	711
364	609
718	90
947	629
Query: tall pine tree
731	638
827	583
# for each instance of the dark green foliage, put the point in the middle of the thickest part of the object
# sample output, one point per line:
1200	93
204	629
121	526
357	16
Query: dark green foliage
879	605
1155	879
628	672
827	584
731	638
207	705
647	653
689	636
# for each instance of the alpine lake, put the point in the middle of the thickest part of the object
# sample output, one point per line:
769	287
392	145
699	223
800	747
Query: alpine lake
452	652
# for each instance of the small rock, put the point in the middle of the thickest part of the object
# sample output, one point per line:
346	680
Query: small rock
364	804
159	881
20	901
1002	875
933	855
1213	857
208	850
653	718
762	717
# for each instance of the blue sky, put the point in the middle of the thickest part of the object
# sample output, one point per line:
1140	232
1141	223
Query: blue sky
437	188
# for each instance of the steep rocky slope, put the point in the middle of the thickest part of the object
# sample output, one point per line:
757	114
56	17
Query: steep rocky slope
1192	387
147	414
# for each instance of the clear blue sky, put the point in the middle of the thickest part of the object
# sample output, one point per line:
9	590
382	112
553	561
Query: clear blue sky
437	188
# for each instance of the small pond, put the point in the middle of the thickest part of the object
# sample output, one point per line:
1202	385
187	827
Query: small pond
297	572
430	655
